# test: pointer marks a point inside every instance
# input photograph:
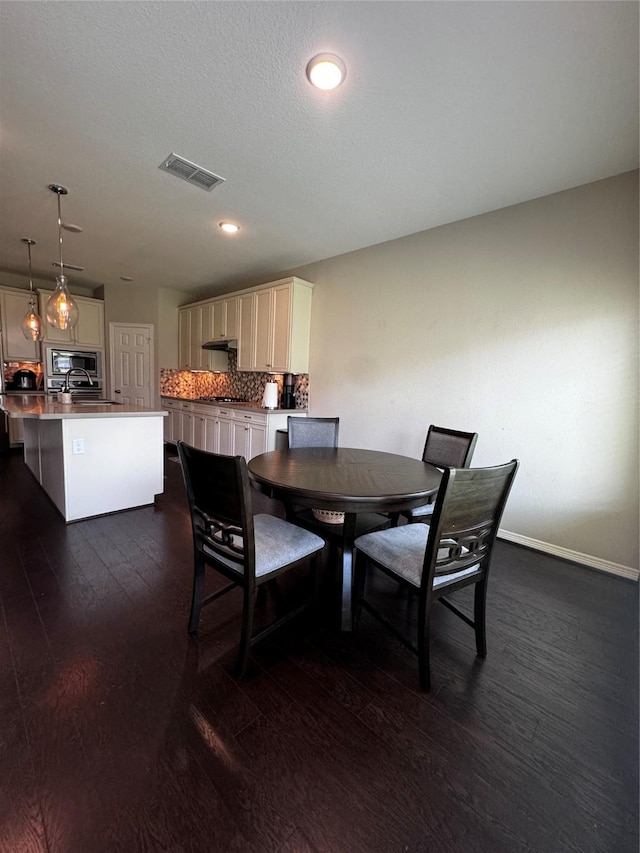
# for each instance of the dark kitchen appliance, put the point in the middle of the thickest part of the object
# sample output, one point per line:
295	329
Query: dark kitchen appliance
288	400
24	380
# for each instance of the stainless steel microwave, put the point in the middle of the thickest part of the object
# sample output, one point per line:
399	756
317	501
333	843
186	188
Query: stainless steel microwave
59	361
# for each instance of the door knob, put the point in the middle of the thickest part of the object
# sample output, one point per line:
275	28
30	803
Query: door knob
118	391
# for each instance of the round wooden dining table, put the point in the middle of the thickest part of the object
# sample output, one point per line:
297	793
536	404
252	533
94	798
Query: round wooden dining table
349	480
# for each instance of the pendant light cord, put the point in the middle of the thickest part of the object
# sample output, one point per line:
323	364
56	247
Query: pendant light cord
30	276
60	234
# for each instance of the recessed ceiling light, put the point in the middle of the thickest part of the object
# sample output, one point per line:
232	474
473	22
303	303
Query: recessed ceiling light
326	71
229	227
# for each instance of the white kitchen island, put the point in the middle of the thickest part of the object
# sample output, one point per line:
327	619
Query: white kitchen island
91	459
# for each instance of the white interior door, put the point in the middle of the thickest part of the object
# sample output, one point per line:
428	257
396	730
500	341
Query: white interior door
131	363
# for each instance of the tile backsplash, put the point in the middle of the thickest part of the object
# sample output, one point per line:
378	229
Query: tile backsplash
10	367
248	386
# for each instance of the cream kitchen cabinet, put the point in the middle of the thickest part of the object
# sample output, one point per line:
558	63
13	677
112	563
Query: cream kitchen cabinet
232	430
14	304
273	335
195	325
232	308
249	434
89	330
172	423
224	419
224	325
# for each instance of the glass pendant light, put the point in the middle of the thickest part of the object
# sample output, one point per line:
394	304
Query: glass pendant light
62	310
32	325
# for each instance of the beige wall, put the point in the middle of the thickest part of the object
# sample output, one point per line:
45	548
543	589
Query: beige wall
522	325
127	303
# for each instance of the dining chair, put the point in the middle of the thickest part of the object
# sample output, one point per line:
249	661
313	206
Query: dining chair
444	448
247	549
431	560
313	432
324	432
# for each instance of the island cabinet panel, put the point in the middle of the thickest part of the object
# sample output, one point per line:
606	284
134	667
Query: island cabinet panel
14	304
48	446
91	458
16	432
121	465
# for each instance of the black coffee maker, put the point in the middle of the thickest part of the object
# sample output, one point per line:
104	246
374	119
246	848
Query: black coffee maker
287	400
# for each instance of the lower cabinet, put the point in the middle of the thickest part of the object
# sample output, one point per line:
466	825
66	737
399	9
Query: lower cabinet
172	425
234	432
249	436
225	432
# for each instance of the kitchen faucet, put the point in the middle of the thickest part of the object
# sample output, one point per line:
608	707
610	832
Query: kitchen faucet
66	387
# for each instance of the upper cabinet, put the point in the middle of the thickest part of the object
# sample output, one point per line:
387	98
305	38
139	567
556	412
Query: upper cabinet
195	326
271	324
224	325
89	331
14	304
275	322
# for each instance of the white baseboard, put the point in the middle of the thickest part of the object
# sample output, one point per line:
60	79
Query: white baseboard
568	554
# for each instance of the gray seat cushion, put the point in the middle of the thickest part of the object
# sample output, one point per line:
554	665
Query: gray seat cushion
402	549
420	511
278	543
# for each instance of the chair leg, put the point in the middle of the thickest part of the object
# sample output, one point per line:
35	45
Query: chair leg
248	608
359	581
395	518
196	595
424	628
314	569
479	616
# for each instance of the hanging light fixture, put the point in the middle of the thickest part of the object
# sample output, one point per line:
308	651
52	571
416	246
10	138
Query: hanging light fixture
32	325
62	310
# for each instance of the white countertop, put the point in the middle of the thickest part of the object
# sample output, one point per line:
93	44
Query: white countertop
45	407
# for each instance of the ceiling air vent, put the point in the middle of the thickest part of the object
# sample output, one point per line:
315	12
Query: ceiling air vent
191	173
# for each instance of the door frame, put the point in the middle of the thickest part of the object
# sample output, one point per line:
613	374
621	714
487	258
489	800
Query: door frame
152	369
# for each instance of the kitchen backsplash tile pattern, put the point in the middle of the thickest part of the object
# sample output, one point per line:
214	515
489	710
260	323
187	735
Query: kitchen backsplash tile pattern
248	386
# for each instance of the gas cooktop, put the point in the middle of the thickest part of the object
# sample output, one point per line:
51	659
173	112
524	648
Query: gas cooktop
223	399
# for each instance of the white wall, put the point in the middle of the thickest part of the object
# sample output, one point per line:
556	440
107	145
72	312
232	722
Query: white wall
522	325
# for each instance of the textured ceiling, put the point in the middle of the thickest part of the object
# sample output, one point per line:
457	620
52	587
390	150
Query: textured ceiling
449	110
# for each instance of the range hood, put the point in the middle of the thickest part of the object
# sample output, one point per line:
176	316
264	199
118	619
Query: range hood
221	346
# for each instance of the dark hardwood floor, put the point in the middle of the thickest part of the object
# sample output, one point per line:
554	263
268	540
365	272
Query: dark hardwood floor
118	733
